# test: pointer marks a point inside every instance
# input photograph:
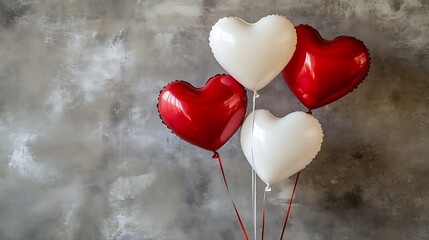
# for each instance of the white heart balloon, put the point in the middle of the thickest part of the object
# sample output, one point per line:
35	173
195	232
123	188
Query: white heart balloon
281	146
254	54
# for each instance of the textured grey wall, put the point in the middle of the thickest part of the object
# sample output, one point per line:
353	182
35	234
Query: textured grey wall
83	154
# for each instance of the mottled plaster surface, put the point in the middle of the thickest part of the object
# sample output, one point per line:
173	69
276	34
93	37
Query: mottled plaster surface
83	154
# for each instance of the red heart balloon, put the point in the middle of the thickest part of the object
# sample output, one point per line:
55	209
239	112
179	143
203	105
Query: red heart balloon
206	117
323	71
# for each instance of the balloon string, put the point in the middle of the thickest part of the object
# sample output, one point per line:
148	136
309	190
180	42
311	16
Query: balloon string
255	95
243	229
290	205
253	200
263	215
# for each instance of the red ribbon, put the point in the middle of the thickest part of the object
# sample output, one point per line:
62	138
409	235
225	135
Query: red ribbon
243	229
290	205
263	216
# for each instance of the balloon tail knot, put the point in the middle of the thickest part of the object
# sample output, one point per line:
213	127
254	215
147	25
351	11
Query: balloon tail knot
309	112
268	188
255	94
215	155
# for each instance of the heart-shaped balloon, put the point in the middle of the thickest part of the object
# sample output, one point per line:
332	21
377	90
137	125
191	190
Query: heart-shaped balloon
206	117
323	71
281	146
254	54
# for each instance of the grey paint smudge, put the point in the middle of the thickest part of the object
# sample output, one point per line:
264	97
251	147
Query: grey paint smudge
22	161
10	11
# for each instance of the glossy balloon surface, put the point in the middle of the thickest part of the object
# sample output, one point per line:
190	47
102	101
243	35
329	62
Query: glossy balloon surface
323	71
206	117
254	54
281	146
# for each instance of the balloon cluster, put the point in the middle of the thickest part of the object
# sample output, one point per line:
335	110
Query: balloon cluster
316	70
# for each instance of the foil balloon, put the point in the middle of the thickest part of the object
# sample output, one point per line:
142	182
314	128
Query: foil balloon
323	71
254	54
281	146
206	117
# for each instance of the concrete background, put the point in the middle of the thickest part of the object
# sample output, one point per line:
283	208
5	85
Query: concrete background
83	154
